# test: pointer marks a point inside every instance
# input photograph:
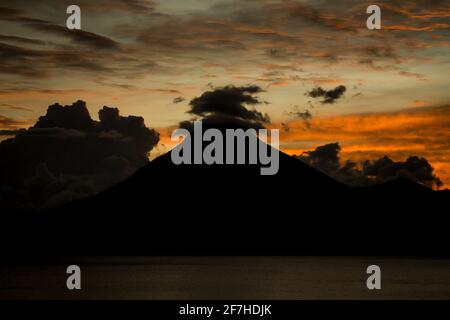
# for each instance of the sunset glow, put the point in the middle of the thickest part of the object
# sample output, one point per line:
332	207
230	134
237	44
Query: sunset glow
151	58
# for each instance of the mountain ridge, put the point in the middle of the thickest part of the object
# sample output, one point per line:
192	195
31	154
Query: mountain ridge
231	209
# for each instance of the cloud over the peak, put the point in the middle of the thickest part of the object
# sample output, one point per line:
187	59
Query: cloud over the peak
227	107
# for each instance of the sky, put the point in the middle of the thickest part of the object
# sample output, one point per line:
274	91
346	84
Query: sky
151	58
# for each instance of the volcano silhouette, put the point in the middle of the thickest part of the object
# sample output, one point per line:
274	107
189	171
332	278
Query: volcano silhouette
231	209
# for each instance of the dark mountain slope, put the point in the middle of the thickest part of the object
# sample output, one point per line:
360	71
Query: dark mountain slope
399	185
232	209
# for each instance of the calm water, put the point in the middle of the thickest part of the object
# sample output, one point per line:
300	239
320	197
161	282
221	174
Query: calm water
228	278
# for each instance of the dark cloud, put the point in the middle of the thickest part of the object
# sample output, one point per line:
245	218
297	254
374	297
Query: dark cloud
324	157
415	168
21	40
67	155
16	12
285	127
18	15
379	57
49	58
327	159
329	96
75	116
305	115
320	17
139	7
18	53
226	107
10	12
231	31
379	51
10	132
43	63
178	100
78	36
7	122
134	6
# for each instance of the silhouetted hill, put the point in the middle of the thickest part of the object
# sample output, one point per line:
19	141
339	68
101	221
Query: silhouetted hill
232	209
399	185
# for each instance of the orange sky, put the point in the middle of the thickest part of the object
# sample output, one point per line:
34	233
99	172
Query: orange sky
423	132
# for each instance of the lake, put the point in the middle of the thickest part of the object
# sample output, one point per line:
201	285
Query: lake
205	278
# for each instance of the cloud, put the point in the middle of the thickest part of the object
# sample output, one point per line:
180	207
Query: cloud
418	76
33	63
415	168
305	115
288	31
75	116
50	47
178	100
433	27
17	15
89	39
21	40
327	159
379	51
329	96
14	107
285	127
138	7
66	155
9	12
226	107
11	123
10	132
